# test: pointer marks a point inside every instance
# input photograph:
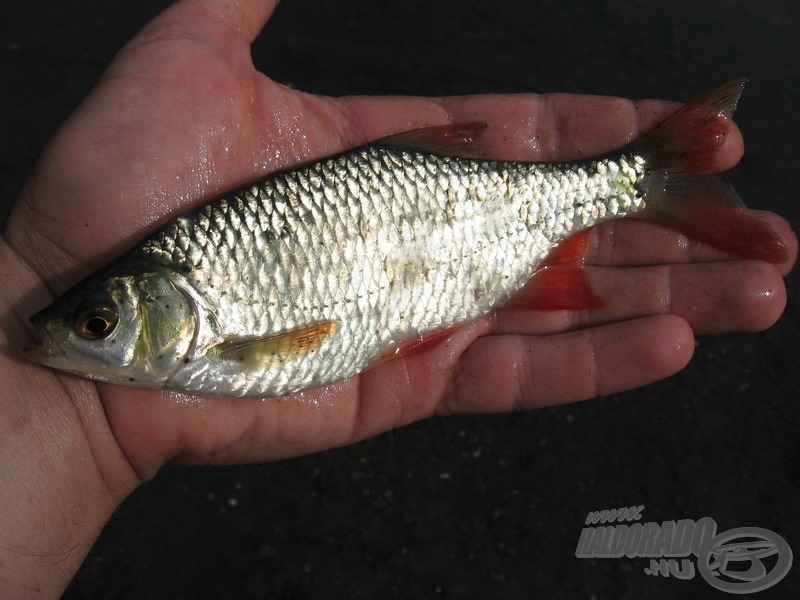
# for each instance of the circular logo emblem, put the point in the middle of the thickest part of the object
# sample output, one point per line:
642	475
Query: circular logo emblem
744	560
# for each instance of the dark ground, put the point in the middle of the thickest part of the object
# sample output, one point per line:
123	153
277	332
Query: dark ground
470	507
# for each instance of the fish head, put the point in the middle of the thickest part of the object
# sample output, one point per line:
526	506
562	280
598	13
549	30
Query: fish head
133	330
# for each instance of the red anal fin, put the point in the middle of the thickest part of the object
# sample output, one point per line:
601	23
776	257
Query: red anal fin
561	283
557	287
417	345
455	139
572	251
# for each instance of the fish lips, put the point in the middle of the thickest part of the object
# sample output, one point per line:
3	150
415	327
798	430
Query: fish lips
47	352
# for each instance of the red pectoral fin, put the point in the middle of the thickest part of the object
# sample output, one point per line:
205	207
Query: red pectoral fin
280	347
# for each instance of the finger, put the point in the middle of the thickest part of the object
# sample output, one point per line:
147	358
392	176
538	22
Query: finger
529	127
153	427
716	297
207	18
630	242
180	97
502	373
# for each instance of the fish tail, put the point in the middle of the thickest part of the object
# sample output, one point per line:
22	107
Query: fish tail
683	189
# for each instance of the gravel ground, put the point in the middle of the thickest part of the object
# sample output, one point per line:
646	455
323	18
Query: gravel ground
485	506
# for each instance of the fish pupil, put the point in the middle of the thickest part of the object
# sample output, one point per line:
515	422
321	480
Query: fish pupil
96	325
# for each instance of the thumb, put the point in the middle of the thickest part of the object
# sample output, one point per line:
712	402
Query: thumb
205	18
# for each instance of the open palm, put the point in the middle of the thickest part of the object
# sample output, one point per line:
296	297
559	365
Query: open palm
182	115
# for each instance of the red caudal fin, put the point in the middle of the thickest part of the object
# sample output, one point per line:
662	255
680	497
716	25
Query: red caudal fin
705	207
682	190
689	140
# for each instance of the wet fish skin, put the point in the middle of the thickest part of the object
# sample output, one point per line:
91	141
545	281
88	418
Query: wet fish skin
314	274
384	243
387	243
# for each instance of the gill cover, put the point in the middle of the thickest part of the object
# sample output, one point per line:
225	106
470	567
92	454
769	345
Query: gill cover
168	327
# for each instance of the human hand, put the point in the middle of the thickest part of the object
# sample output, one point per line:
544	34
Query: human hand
182	115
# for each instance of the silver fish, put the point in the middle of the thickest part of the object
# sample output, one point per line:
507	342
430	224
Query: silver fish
314	274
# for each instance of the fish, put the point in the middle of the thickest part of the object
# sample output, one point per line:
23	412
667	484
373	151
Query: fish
317	273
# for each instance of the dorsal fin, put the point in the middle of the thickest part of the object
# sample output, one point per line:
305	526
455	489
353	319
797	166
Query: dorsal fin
455	139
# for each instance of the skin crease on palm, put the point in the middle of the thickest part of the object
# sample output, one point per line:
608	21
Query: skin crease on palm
182	115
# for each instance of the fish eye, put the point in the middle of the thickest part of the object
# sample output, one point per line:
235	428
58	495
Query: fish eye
96	322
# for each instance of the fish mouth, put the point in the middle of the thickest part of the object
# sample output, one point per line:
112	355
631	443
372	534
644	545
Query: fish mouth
47	352
39	353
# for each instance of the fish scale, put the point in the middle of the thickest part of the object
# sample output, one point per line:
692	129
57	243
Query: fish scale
317	273
389	244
